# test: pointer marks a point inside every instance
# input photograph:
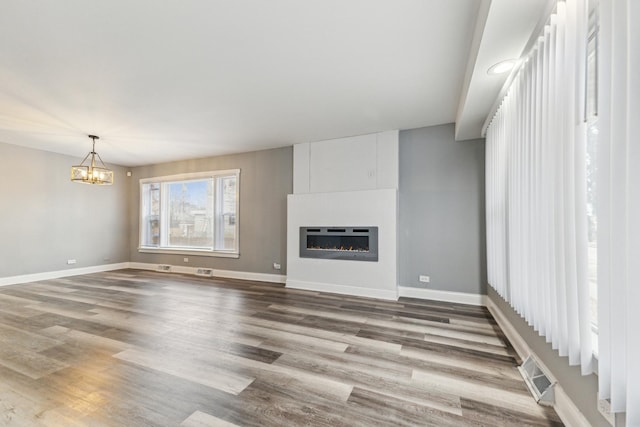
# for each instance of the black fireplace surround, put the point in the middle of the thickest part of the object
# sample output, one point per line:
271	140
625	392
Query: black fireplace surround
346	243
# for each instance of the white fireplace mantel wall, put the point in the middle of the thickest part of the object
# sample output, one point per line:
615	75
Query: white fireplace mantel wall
346	182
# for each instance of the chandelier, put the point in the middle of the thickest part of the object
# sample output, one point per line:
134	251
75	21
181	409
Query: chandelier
92	172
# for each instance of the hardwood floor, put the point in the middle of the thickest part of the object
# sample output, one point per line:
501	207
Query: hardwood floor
139	348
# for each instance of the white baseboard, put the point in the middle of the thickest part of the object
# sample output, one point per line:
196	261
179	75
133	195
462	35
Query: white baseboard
519	344
27	278
243	275
564	406
342	289
228	274
446	296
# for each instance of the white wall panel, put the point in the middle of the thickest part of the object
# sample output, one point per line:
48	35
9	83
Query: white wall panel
365	208
345	164
387	159
301	168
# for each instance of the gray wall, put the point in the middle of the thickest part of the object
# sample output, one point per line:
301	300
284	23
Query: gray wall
45	219
266	177
441	211
583	390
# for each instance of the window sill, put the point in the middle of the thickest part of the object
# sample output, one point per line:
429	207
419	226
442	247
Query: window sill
193	252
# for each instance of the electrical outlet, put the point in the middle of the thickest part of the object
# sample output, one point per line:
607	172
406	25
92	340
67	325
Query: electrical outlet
71	261
185	259
276	266
424	279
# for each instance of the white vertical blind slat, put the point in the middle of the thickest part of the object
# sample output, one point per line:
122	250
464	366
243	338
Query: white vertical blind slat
633	178
604	207
619	218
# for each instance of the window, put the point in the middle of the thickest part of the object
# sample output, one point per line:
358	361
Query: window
536	163
190	213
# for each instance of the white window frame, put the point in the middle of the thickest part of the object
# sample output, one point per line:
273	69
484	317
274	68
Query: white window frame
230	253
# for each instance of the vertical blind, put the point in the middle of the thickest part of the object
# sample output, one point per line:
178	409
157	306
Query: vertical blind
536	189
536	195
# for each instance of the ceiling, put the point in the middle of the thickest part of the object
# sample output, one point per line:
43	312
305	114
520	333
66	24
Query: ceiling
162	81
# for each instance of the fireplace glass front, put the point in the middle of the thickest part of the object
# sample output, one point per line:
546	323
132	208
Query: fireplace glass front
344	243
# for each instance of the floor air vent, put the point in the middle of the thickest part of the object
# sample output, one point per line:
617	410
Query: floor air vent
163	267
206	272
539	383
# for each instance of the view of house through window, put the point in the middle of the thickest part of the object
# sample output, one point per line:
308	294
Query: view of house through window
190	212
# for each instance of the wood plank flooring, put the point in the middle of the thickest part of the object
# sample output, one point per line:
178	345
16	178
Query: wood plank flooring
139	348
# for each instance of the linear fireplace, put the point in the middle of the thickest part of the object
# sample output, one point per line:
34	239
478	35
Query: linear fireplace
346	243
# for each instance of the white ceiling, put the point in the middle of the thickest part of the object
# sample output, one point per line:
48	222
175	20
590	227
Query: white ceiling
503	30
168	80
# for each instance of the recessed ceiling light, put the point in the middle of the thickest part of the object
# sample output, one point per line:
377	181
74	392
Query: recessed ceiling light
502	67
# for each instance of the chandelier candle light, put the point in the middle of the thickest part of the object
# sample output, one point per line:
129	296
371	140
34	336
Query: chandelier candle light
92	173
